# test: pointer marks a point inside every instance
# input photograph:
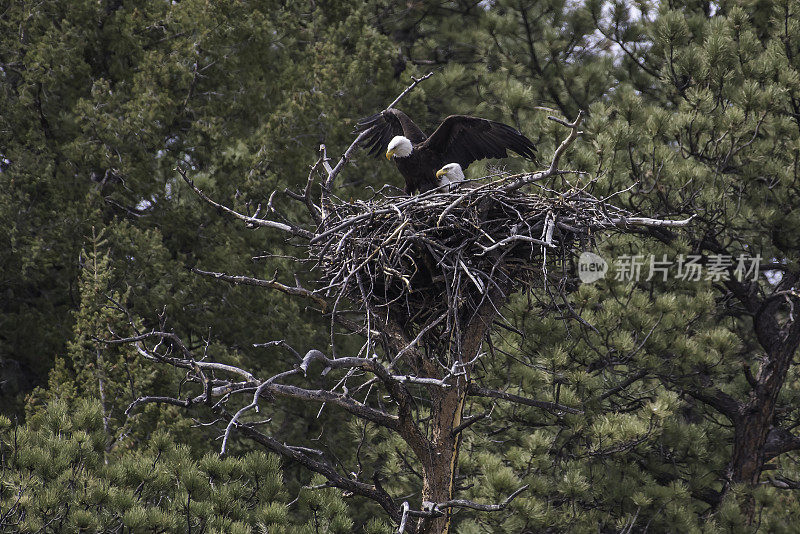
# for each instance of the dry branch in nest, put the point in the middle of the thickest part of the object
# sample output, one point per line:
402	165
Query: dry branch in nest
434	255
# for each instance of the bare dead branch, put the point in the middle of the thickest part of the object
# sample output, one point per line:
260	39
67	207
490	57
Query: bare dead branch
313	210
553	169
435	509
553	407
624	222
462	503
252	405
296	290
469	421
404	518
188	362
185	403
325	469
408	89
251	221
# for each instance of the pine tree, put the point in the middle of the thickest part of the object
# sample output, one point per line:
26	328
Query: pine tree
102	100
55	479
81	464
686	387
690	381
694	103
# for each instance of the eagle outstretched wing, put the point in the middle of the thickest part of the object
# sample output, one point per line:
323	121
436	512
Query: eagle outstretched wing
462	139
382	126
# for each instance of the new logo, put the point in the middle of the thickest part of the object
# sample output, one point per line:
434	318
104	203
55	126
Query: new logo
591	267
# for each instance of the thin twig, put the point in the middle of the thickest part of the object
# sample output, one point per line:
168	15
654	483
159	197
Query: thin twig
252	221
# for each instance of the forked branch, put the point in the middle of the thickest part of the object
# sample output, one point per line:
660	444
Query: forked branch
437	509
295	290
553	169
251	221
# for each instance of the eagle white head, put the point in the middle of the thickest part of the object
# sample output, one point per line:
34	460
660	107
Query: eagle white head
450	174
399	146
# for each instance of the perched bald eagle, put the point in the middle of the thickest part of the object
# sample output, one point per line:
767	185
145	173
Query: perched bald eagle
449	174
459	139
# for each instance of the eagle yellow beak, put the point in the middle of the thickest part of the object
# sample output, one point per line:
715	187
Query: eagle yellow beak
440	173
389	154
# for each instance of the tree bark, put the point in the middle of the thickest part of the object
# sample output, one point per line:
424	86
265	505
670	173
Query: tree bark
441	463
755	419
439	468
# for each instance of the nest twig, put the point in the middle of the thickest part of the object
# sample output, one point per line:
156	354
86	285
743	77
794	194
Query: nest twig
433	254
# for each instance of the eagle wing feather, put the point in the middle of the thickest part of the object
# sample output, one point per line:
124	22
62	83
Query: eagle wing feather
382	126
463	139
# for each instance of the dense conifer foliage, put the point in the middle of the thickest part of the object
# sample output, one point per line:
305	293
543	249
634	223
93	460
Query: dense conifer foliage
683	388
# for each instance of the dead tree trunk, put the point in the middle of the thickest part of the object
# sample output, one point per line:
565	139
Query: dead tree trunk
439	468
447	405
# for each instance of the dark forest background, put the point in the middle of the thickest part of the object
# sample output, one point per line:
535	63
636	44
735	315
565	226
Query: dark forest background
688	389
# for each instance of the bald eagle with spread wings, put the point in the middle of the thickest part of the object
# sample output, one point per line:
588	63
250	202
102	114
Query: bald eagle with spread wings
459	140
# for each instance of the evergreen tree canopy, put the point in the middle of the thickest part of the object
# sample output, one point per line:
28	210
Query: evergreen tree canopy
682	392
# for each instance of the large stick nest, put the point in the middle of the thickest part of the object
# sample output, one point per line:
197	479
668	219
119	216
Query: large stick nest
432	254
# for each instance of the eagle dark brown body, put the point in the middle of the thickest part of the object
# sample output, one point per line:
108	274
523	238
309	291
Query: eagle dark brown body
459	139
416	169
